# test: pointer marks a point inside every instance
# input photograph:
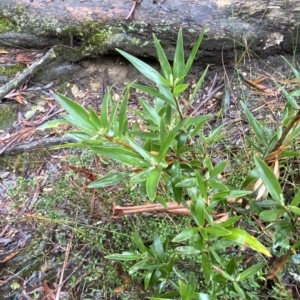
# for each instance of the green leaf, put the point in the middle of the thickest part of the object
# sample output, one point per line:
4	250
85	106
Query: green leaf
202	185
255	125
250	272
217	231
269	179
123	155
178	64
294	209
141	176
206	266
239	290
138	242
229	221
95	119
218	169
123	114
152	182
125	256
104	108
296	200
108	180
198	212
223	273
179	89
147	278
185	234
189	182
145	154
164	63
77	112
150	111
207	163
145	69
198	85
194	51
166	95
188	250
166	144
242	237
176	177
52	124
159	248
271	214
163	131
195	120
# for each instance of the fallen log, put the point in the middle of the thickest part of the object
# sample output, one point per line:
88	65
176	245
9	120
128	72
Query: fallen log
90	28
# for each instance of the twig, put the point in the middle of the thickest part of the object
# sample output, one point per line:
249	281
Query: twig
19	80
63	270
212	91
131	13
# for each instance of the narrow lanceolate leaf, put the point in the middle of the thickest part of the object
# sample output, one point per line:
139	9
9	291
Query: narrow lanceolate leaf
188	250
95	119
176	177
178	65
166	144
152	182
125	256
77	112
296	200
206	266
217	231
150	112
186	234
138	242
255	125
218	169
194	51
164	63
123	114
159	248
250	272
109	180
141	176
198	85
145	154
244	238
145	69
179	89
198	212
123	155
195	120
269	179
104	108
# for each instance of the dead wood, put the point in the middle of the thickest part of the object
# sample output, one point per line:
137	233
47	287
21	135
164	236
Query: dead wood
92	27
26	74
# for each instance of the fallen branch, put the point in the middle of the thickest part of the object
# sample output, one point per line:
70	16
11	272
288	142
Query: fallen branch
172	208
24	76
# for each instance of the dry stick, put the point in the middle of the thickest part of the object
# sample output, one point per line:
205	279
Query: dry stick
63	270
19	80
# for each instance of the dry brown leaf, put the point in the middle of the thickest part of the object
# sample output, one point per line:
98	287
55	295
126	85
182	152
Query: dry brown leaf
277	265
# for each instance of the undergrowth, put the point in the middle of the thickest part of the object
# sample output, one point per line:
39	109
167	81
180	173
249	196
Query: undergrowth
240	236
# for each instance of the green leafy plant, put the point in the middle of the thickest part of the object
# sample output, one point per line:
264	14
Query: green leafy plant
164	153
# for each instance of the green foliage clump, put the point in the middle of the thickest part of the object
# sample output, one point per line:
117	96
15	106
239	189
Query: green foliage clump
164	153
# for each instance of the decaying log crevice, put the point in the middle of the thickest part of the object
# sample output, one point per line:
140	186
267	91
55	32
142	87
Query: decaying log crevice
92	27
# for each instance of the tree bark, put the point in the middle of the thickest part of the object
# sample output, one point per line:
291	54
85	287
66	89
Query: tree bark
93	27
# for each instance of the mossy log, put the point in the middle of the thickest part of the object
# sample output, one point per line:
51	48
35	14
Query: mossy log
91	27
